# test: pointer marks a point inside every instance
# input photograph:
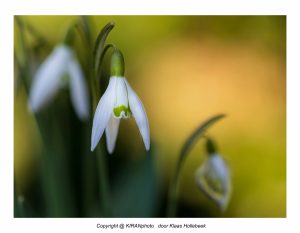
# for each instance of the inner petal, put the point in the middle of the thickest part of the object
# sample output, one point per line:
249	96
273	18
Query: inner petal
121	107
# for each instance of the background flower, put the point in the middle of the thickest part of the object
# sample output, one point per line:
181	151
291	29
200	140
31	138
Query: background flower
49	79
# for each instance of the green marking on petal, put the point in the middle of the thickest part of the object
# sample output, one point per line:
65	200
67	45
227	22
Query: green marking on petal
214	182
120	109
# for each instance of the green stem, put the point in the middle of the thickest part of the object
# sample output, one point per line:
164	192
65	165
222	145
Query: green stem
49	183
173	192
102	175
98	54
84	27
103	181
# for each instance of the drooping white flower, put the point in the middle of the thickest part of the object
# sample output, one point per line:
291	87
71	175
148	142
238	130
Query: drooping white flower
49	79
118	101
213	179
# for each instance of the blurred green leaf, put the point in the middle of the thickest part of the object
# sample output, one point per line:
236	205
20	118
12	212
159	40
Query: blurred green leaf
85	29
22	208
135	192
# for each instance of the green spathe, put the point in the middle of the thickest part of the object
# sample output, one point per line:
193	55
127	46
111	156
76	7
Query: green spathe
117	65
211	147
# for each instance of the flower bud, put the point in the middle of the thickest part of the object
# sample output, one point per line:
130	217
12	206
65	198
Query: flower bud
213	179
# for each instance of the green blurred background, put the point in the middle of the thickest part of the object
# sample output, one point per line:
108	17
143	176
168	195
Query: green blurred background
186	69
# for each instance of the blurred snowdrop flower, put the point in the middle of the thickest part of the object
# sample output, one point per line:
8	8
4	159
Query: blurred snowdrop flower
118	101
213	179
49	78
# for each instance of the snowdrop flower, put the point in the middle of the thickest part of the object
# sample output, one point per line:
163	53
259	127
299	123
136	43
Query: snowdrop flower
213	179
49	78
118	101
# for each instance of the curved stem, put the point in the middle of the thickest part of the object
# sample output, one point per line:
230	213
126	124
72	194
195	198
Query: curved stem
190	142
173	192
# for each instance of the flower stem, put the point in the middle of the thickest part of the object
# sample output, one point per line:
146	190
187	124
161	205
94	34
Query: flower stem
173	191
174	185
103	181
95	89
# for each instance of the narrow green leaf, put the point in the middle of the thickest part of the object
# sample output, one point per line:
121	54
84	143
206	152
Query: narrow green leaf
99	45
135	188
22	54
85	28
97	57
41	41
69	34
21	207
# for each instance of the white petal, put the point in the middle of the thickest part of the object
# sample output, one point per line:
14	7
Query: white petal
139	114
47	78
213	179
103	113
217	164
112	133
78	90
